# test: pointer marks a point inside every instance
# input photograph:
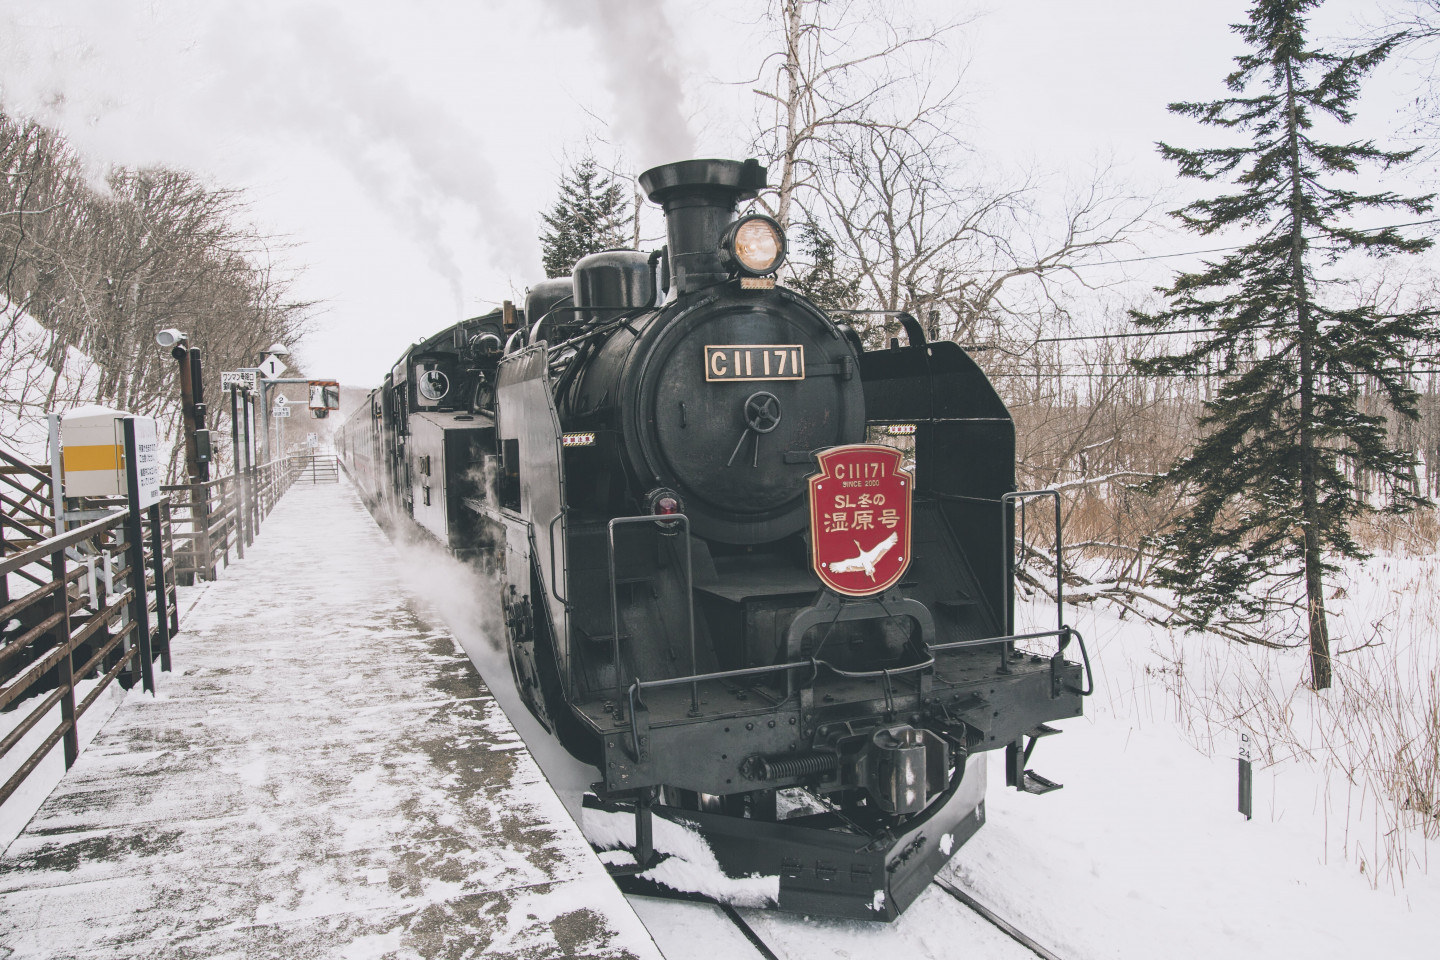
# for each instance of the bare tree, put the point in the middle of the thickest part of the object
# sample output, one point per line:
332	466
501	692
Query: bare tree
975	260
90	276
860	108
837	65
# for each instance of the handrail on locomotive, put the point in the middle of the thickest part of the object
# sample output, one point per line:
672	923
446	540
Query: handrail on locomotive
1062	633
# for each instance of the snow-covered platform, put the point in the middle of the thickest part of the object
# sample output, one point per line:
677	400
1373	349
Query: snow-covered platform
324	775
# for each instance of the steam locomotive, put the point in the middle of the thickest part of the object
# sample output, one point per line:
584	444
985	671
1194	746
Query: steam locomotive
667	457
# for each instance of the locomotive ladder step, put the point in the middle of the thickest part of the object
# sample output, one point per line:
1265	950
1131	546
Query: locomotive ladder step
1037	785
958	603
1017	756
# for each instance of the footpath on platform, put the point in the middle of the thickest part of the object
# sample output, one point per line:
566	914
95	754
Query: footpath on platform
324	774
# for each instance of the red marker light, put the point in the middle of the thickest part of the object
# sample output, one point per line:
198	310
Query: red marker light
666	506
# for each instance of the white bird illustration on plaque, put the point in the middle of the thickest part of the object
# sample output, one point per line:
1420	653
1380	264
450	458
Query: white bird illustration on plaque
867	559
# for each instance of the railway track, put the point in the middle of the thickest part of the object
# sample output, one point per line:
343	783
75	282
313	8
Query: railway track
994	919
701	928
768	950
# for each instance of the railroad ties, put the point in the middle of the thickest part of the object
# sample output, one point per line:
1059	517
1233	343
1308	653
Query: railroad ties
323	774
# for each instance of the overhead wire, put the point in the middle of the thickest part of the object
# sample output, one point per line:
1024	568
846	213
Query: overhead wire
1184	253
1238	246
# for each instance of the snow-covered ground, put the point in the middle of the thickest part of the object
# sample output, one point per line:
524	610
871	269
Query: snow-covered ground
323	775
37	376
16	811
1144	853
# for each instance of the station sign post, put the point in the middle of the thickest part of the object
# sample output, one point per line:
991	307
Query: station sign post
142	474
240	379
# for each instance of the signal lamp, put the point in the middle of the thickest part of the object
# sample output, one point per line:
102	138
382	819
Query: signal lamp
753	245
664	502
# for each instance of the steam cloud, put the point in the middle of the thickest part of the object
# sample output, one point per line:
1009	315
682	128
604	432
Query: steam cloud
131	86
636	48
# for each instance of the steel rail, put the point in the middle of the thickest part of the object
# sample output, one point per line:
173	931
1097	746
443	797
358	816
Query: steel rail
995	920
760	946
656	891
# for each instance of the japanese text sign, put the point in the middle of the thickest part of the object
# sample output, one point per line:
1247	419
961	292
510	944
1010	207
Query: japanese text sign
860	519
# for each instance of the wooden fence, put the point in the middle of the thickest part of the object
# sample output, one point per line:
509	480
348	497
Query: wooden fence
212	519
82	609
315	467
96	604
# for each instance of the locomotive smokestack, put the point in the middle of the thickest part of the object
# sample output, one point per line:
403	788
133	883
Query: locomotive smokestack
699	197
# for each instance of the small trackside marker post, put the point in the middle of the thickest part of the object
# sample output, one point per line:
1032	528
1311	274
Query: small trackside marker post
1246	776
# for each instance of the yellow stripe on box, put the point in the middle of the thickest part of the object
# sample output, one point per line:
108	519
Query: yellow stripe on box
107	456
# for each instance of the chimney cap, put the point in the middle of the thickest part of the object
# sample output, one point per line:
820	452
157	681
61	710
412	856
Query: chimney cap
744	180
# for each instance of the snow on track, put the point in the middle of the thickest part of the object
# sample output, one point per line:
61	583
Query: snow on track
324	775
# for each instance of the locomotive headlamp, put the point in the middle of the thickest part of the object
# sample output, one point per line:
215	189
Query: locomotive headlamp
753	245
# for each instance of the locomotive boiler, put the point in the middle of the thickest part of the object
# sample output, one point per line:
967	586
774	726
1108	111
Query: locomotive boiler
759	576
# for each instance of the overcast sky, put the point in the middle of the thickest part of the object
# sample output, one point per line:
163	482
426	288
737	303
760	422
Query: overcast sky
405	151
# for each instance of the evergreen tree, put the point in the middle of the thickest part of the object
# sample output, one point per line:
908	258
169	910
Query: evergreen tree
590	215
827	286
1273	483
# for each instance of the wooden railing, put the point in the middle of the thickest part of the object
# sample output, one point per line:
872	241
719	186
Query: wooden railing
82	609
26	508
95	607
315	467
213	518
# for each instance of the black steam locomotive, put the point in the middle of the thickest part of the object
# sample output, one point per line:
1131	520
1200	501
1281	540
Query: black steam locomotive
631	451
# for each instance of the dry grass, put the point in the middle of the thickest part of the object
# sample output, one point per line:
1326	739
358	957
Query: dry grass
1414	535
1374	738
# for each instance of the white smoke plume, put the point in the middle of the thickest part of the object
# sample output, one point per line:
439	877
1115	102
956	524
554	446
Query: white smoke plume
637	48
196	83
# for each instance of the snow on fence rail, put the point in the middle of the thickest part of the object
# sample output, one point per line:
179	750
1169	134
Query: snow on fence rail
84	608
223	514
91	588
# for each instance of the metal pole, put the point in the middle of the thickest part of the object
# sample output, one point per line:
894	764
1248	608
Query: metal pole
239	515
264	414
200	494
162	617
189	421
66	667
57	482
197	386
251	512
135	533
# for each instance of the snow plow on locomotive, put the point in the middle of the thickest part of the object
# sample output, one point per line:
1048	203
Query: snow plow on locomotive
759	576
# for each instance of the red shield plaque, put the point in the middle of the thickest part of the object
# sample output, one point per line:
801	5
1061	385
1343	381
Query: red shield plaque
860	519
